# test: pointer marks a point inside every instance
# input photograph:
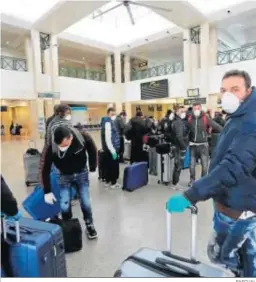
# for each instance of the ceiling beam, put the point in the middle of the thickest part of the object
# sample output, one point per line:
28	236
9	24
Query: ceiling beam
228	39
64	14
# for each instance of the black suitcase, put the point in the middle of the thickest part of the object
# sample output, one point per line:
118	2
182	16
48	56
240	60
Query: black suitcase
72	234
149	263
101	165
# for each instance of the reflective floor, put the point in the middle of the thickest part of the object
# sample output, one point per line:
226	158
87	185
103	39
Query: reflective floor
124	221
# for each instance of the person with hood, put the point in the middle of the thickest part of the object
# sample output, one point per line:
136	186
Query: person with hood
231	180
135	130
120	126
111	145
200	126
69	156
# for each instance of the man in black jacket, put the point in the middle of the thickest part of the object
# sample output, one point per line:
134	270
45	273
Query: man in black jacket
180	133
69	156
120	125
200	126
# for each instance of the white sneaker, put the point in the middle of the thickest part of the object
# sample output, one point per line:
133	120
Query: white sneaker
106	184
116	186
177	187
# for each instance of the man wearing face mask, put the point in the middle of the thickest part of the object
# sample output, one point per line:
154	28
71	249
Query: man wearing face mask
166	121
231	181
199	125
110	140
180	135
69	156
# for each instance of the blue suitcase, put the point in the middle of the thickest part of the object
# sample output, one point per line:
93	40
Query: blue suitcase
135	176
186	163
36	248
35	205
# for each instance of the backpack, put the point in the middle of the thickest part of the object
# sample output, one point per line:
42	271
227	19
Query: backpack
205	122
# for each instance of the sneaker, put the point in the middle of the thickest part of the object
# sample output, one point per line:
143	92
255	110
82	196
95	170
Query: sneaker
115	186
106	184
177	187
91	232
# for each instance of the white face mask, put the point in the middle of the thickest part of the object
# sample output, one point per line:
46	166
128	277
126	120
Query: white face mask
113	117
68	117
183	115
171	116
230	103
197	113
63	149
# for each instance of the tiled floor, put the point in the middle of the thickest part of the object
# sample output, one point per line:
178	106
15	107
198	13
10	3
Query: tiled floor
124	221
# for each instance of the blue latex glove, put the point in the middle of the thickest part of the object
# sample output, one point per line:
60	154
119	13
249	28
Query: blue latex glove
16	217
114	156
177	203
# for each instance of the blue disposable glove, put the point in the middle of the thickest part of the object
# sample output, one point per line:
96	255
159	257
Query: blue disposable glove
15	217
177	203
114	156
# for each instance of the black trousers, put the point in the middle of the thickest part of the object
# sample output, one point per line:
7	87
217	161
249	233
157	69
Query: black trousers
179	157
111	169
121	151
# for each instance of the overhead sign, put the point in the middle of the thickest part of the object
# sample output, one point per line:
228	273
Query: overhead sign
154	89
49	95
190	102
193	92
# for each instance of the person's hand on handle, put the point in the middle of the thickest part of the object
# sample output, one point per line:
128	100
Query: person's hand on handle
177	203
15	217
49	198
114	156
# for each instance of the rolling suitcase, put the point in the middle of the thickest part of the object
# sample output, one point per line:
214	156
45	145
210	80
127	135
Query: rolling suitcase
31	161
135	176
165	166
36	249
127	150
151	263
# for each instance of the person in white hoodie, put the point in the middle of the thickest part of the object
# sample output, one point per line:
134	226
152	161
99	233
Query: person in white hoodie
111	145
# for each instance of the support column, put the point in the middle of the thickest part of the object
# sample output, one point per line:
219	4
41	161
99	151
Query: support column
195	62
127	68
205	58
118	83
187	59
213	46
108	69
128	110
29	54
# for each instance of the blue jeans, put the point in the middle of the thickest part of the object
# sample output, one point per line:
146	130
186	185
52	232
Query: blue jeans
81	182
233	243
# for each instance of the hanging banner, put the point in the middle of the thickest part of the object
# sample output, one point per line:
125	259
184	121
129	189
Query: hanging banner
49	95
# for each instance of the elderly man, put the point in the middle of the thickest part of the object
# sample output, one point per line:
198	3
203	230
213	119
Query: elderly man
231	181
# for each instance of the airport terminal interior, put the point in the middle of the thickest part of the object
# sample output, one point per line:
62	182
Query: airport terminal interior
144	57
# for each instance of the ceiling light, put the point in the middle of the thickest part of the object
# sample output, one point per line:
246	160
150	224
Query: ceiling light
7	42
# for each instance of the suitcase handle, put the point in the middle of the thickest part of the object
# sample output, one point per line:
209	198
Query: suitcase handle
17	229
194	212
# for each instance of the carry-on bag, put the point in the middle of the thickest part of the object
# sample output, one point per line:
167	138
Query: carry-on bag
36	248
186	163
127	150
31	161
165	166
148	262
72	233
135	176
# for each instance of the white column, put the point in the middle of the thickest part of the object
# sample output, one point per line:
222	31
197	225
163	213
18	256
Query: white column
118	82
195	61
108	69
128	110
205	58
213	46
29	54
127	68
187	59
55	63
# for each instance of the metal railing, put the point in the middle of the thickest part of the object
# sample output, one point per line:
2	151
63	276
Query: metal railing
82	73
12	63
237	55
165	69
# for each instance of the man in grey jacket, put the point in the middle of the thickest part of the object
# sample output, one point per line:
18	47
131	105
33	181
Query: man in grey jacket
120	126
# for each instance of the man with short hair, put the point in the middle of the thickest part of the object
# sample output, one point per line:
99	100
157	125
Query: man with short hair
180	133
111	145
231	181
69	156
199	125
